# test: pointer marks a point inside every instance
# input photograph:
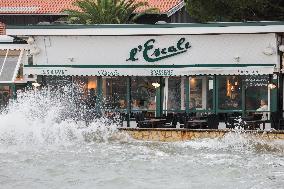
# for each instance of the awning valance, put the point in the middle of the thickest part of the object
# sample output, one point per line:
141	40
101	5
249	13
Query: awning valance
149	71
10	61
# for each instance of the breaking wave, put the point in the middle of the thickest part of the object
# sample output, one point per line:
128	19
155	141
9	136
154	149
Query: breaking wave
49	118
238	141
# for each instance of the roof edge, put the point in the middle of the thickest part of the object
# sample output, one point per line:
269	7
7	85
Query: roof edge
168	25
176	8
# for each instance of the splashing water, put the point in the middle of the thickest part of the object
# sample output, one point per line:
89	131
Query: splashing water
45	143
45	118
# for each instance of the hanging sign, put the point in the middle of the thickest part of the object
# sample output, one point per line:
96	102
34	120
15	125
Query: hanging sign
257	81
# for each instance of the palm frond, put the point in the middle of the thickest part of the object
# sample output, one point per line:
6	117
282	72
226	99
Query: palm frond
108	11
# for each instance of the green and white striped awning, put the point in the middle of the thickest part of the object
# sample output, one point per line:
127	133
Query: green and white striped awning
171	70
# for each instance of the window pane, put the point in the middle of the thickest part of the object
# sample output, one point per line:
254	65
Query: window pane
174	93
5	95
210	88
256	91
201	93
114	92
143	93
230	93
81	89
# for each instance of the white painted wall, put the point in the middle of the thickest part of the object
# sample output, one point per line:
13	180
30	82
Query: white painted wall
114	50
206	49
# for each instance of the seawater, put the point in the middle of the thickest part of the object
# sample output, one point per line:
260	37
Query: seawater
45	144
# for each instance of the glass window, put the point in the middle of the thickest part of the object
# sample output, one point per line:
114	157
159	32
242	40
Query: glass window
201	93
5	95
114	92
175	87
256	92
230	93
57	83
80	88
143	93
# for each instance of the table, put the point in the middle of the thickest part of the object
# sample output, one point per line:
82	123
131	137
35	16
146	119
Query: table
255	123
199	122
246	122
153	123
232	120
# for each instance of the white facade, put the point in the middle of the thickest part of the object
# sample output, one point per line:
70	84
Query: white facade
226	54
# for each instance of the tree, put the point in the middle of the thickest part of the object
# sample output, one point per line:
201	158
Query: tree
107	11
235	10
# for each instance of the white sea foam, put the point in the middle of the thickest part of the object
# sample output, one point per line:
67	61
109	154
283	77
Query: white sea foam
39	117
238	141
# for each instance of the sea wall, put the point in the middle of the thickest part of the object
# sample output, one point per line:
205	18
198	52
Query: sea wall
171	135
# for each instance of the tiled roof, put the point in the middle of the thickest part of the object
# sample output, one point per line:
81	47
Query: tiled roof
2	29
57	6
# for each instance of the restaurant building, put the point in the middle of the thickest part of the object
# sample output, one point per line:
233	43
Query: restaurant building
193	69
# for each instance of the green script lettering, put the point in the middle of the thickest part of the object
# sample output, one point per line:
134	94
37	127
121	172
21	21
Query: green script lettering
159	53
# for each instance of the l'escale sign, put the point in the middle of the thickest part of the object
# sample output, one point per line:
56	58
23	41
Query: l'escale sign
159	53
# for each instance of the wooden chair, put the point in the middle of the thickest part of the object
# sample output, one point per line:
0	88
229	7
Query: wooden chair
171	121
139	118
281	124
275	120
212	121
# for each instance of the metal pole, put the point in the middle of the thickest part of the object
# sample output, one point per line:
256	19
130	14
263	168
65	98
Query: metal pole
128	96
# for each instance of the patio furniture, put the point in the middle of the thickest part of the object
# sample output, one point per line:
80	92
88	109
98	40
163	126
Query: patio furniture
257	116
182	119
281	124
196	124
251	124
231	122
139	117
171	121
230	119
212	121
152	123
277	121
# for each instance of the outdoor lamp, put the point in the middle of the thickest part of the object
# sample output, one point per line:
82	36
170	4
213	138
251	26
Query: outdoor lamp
31	40
281	48
237	58
268	51
34	50
156	84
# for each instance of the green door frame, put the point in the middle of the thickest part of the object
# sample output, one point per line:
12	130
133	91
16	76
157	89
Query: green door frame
129	100
215	94
159	98
99	94
274	94
187	95
243	98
